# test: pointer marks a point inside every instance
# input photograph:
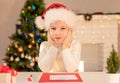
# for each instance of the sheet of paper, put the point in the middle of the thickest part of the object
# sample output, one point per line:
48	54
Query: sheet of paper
63	77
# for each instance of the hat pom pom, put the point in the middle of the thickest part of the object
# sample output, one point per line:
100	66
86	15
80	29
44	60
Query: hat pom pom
39	22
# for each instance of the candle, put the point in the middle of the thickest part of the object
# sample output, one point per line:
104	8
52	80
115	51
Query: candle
81	66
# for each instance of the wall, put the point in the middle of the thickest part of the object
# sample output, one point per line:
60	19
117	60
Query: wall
9	13
90	6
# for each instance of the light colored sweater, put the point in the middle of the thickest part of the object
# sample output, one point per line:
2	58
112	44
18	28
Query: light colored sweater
52	59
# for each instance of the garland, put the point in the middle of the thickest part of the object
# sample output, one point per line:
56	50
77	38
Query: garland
88	16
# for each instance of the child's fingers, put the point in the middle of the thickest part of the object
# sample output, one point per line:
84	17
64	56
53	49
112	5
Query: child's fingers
69	34
68	38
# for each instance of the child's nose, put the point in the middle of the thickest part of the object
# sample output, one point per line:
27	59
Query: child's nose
58	32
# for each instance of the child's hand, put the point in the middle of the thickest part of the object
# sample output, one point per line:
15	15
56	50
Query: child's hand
67	41
51	41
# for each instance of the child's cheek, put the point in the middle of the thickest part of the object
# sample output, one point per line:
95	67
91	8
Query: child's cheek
66	34
52	37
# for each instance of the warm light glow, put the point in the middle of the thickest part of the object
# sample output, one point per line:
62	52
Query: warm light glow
92	37
103	37
82	32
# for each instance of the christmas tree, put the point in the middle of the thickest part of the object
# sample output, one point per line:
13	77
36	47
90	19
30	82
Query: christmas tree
113	62
23	51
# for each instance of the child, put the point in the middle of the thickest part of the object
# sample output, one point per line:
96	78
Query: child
60	53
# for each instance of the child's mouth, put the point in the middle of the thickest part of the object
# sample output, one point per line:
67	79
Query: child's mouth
58	38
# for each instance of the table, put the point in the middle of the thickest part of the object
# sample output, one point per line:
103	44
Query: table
88	77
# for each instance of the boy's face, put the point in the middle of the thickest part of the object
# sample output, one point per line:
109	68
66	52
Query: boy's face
58	31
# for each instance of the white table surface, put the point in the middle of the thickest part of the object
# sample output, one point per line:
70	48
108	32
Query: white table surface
88	77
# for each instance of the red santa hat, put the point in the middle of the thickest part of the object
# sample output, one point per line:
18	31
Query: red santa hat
54	13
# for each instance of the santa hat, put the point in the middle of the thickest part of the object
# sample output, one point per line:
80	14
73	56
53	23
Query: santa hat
54	13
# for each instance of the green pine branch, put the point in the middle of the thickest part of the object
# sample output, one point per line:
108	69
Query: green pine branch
113	62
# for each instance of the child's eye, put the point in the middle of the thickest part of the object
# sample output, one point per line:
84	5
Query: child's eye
63	28
53	28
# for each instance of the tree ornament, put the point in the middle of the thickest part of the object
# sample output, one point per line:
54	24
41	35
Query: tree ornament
38	35
38	40
36	15
19	31
36	58
19	22
20	49
8	49
31	35
29	7
26	56
17	59
16	46
17	25
33	7
26	36
37	46
5	64
30	61
15	54
44	34
33	28
34	12
32	64
33	48
29	57
22	55
11	42
33	41
30	46
11	58
33	59
22	34
23	11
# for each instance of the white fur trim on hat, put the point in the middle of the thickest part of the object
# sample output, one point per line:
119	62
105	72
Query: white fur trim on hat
39	22
56	14
62	14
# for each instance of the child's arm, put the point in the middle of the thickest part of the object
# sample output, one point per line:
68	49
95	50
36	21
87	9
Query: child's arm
47	56
71	58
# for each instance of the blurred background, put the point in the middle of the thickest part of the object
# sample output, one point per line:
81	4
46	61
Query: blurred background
10	13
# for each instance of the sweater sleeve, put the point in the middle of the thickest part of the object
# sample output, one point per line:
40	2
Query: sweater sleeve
71	57
47	55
